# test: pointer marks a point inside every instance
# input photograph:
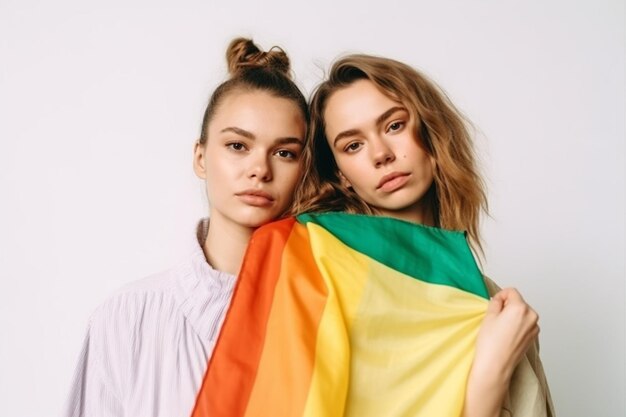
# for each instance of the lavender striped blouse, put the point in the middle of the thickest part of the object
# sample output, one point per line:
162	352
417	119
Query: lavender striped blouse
147	347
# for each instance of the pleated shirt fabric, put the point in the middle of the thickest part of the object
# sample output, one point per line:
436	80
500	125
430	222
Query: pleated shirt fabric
147	347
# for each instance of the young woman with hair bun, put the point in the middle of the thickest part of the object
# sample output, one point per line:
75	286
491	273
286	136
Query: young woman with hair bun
147	346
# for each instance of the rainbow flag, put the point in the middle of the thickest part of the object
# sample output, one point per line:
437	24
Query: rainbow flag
347	315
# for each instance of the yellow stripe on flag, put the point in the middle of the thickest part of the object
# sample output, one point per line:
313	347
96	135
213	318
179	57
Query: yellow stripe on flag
411	343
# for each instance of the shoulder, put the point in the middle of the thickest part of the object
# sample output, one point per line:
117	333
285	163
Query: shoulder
139	320
182	298
158	284
129	310
143	302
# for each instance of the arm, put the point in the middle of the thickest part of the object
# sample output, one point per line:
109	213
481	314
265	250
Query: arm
508	330
90	395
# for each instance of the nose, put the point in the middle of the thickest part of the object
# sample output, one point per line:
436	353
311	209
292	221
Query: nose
382	154
260	169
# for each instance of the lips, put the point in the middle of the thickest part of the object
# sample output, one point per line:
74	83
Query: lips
393	181
257	198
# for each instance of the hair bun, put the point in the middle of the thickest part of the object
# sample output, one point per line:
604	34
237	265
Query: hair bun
243	55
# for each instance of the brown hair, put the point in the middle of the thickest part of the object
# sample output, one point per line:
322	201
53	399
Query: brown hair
253	69
457	195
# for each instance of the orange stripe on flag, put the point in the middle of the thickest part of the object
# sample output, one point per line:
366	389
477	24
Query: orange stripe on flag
299	301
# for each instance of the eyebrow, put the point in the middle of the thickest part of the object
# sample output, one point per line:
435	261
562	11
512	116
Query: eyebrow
239	132
379	120
250	135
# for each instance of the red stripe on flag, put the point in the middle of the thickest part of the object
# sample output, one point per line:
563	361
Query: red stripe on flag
245	319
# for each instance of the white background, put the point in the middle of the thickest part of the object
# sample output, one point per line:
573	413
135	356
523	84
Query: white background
100	103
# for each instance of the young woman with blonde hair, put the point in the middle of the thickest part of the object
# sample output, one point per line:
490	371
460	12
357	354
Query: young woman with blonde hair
147	346
385	140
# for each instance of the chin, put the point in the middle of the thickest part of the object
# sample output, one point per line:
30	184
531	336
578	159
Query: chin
254	220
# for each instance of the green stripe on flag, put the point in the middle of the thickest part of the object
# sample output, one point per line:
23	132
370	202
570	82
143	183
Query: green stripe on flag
431	254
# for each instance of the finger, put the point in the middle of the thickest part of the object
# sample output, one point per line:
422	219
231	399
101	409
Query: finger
513	296
501	295
533	333
533	316
495	305
504	296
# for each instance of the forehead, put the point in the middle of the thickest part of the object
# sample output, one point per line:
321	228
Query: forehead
360	103
259	112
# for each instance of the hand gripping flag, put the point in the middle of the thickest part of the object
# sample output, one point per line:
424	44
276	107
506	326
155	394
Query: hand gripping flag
347	315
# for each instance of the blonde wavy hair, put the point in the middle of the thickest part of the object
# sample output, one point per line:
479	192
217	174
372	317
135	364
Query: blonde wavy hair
457	195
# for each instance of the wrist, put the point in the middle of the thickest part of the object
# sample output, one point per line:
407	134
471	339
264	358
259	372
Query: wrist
485	393
491	374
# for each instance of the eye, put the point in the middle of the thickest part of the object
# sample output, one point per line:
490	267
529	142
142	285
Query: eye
352	147
236	146
286	154
395	126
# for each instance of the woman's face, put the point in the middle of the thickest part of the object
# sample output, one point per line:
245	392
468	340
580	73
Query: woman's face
251	160
374	142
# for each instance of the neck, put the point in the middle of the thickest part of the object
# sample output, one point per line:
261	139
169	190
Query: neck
421	213
226	244
424	217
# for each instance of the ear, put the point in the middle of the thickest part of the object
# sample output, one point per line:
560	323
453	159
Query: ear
199	162
344	180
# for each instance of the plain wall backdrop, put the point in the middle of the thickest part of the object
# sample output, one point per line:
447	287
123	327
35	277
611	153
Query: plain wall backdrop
100	103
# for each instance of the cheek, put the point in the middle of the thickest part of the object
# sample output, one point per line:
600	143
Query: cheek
212	184
287	178
432	164
344	162
221	176
222	167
